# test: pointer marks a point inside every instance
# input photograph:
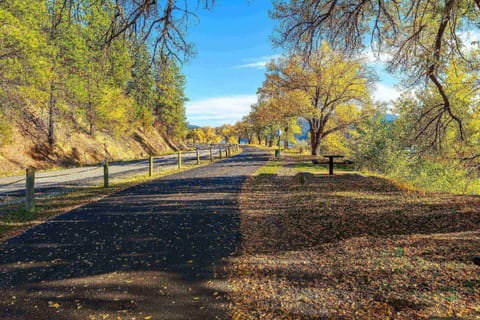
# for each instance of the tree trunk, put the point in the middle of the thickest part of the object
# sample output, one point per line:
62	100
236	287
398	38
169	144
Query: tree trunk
315	142
259	138
92	129
51	115
285	141
266	140
91	119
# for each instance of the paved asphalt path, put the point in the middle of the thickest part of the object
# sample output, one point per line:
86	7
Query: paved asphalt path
156	249
51	182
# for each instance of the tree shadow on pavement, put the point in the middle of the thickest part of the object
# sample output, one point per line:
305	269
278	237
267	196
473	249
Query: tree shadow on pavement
156	249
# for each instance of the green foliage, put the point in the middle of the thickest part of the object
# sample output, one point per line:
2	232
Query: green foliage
56	71
443	176
381	146
141	86
115	112
170	106
24	51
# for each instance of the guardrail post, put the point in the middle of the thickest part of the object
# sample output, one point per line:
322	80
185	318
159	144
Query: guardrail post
220	152
179	162
211	154
330	166
30	190
150	165
226	152
198	157
105	173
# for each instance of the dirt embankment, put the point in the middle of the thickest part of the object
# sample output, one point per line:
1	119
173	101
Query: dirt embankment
73	148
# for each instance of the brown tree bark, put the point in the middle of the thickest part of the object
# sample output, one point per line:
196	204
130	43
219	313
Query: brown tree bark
51	115
315	139
259	138
91	119
285	141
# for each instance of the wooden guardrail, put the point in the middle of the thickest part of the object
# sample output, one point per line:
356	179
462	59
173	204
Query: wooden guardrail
226	150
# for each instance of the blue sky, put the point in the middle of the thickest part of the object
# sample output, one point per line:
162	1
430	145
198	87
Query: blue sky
233	44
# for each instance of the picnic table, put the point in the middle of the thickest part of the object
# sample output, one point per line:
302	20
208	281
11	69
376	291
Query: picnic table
331	157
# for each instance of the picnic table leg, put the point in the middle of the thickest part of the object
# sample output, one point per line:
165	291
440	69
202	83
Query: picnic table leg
330	166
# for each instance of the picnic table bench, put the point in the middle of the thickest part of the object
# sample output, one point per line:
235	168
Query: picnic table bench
315	160
331	157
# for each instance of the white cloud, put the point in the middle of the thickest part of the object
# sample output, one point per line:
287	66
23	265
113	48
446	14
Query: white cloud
219	110
376	58
385	93
257	63
470	39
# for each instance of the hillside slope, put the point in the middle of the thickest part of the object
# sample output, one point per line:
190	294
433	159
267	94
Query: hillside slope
26	147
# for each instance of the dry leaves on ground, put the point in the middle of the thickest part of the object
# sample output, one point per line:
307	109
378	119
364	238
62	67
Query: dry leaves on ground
354	247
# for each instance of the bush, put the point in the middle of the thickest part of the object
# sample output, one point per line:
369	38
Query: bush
380	146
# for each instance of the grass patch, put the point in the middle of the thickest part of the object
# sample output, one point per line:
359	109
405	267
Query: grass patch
271	168
353	247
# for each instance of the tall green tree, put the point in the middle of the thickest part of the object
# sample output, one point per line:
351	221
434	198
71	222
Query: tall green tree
102	71
170	106
141	86
25	68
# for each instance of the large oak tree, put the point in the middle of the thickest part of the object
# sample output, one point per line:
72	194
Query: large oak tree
331	90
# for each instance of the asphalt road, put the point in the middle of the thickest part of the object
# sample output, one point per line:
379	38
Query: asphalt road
153	251
51	182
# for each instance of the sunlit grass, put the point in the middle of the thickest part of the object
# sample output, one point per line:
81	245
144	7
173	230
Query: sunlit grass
271	168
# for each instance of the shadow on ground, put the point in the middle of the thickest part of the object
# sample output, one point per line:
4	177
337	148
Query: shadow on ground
354	247
156	249
326	209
